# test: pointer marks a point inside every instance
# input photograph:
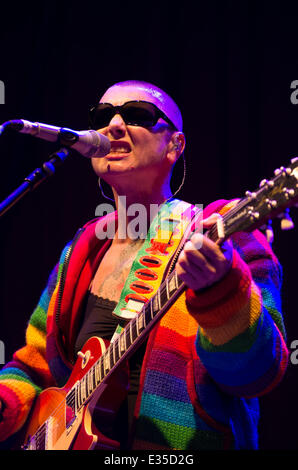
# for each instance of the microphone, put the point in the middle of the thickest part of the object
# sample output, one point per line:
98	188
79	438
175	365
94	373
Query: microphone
90	144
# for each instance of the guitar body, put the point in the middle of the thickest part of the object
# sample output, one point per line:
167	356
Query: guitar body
55	425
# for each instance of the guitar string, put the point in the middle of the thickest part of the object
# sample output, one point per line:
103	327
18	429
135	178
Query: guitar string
71	395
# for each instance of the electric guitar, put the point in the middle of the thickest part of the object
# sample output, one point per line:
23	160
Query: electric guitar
62	418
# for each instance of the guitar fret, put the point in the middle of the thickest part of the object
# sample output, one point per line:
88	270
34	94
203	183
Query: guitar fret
111	357
141	322
106	362
97	373
130	332
88	383
93	377
155	303
86	387
163	297
114	353
116	349
90	386
177	280
81	394
167	289
102	372
77	397
122	344
127	337
134	329
172	284
147	314
151	310
83	388
158	299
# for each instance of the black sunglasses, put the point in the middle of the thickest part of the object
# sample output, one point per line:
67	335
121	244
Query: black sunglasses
134	113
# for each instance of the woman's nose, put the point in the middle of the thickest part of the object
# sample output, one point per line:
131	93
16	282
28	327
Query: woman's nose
117	126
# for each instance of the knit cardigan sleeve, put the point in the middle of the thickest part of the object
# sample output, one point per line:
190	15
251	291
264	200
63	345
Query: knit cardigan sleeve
241	335
27	374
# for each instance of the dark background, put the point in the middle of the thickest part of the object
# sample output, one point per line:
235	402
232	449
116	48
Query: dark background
228	65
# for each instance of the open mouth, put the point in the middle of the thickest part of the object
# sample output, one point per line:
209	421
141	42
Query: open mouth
119	148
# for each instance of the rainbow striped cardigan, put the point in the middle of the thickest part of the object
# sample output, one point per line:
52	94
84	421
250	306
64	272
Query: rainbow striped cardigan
206	363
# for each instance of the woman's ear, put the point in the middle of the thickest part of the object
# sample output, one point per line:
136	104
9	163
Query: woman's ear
176	145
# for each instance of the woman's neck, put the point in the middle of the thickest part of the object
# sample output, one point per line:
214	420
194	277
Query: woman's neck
136	210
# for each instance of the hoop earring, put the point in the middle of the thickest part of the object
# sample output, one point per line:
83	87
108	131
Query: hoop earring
182	182
183	178
102	191
176	192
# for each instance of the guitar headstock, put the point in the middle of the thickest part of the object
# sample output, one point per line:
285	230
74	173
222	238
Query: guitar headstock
273	199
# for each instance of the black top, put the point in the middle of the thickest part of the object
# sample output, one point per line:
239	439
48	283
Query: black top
97	320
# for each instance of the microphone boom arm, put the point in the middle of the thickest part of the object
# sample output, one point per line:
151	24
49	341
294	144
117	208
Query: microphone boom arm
35	178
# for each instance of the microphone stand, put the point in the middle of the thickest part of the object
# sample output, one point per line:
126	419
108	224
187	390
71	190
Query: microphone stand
35	179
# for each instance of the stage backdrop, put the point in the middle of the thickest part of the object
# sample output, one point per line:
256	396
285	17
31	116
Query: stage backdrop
232	70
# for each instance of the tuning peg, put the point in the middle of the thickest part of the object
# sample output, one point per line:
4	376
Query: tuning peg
253	215
286	221
283	170
271	203
269	232
288	192
267	183
251	195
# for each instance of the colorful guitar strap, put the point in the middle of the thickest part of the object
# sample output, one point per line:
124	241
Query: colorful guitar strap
149	266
